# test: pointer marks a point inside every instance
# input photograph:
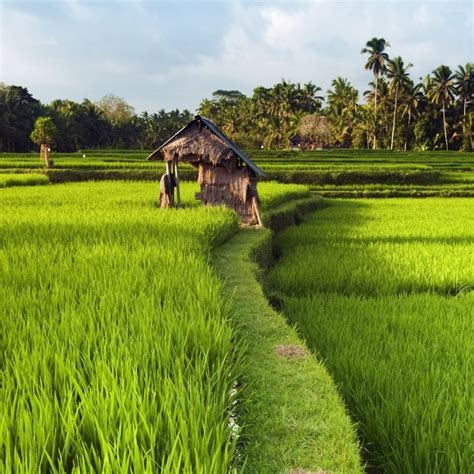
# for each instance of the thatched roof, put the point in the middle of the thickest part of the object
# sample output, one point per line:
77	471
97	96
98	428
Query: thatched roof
200	141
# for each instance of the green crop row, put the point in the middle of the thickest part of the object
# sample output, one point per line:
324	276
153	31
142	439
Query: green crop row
382	290
116	349
22	179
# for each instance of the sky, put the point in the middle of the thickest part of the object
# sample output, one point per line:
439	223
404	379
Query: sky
172	54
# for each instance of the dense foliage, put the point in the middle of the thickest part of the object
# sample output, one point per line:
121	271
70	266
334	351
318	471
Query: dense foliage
110	122
398	113
383	292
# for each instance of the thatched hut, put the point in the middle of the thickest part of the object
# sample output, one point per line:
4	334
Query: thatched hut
227	175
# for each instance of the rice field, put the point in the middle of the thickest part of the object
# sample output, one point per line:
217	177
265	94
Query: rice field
16	179
333	173
117	347
116	350
382	290
268	160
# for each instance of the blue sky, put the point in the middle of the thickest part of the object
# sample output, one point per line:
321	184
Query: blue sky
162	54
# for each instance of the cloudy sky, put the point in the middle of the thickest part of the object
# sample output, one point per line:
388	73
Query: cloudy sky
168	54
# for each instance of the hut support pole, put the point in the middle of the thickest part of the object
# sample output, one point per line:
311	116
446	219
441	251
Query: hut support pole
257	211
178	191
169	172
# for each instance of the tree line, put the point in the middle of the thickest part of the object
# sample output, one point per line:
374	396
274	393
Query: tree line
436	112
108	123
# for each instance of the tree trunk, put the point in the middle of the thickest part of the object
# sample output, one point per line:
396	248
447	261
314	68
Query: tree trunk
375	110
408	129
444	124
394	117
465	127
44	155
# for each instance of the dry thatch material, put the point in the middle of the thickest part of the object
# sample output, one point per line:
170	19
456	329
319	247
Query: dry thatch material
199	146
236	190
237	183
227	176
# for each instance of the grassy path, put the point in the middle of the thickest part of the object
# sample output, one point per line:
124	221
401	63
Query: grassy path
291	416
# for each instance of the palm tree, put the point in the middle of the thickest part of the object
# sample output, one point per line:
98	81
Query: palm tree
309	100
376	63
464	83
208	108
398	75
341	107
442	92
413	97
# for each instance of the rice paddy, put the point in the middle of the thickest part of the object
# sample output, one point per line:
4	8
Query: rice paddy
116	350
16	179
382	290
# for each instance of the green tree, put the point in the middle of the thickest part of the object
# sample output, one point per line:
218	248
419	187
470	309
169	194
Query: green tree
341	110
18	112
44	134
441	92
375	48
116	109
315	130
380	122
413	97
464	84
399	78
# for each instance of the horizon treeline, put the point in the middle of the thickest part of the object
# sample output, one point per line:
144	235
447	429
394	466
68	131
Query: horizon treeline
434	113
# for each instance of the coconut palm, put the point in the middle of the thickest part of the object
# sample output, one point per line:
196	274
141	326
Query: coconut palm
398	75
376	63
208	108
413	97
309	100
341	109
464	83
441	92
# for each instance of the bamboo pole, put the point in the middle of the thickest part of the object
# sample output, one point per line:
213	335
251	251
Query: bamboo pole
178	191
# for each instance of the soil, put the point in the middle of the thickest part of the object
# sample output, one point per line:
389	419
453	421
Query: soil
291	351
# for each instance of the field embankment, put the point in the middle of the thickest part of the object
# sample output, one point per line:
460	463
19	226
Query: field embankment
382	291
291	414
330	172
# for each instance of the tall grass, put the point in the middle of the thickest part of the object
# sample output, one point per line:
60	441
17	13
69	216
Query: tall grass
383	292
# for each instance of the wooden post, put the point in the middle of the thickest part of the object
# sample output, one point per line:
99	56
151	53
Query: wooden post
257	211
178	191
168	172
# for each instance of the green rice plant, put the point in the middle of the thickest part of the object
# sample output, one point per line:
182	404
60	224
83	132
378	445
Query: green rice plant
116	349
273	194
334	167
382	290
15	179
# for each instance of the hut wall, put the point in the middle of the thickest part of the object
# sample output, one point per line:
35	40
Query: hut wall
236	190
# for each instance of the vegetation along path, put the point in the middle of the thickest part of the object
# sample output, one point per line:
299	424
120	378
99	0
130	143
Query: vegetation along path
292	418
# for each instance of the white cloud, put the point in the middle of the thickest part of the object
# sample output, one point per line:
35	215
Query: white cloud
320	40
141	51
